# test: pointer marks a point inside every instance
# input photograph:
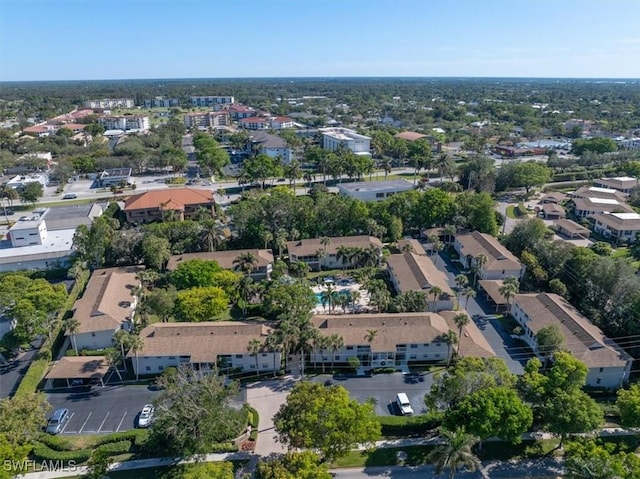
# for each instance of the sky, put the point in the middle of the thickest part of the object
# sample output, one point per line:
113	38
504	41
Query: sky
126	39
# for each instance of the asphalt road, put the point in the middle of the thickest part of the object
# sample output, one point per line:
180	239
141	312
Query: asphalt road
112	409
12	373
384	388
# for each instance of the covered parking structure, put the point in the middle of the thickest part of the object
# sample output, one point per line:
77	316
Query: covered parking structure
491	288
88	369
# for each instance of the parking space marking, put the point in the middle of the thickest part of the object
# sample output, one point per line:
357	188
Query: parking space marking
121	421
85	423
104	420
68	421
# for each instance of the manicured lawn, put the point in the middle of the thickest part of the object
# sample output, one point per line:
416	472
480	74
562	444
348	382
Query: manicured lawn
512	212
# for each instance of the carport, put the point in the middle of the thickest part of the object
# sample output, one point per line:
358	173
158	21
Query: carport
492	289
90	368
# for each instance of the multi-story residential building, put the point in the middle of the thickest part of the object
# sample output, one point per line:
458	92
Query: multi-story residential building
262	269
157	204
209	119
334	138
161	102
212	100
238	112
411	271
316	253
272	146
374	190
500	263
280	122
609	365
110	103
206	346
621	227
570	229
597	192
254	123
623	184
107	305
125	123
588	207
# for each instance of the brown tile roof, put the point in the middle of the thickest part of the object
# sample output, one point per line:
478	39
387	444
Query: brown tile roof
492	287
410	135
597	192
582	338
498	257
393	329
600	205
309	247
553	197
106	301
79	367
619	221
173	198
570	226
473	344
414	272
224	258
203	342
553	209
619	183
416	247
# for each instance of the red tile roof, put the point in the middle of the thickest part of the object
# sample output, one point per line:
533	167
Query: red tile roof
171	198
254	119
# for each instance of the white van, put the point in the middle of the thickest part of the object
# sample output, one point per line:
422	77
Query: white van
403	404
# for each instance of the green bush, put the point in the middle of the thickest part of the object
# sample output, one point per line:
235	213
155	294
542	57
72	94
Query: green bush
397	426
223	447
45	453
254	418
254	435
32	378
70	352
56	443
115	448
95	352
136	436
388	370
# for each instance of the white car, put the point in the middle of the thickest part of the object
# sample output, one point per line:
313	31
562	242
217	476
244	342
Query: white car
146	416
404	404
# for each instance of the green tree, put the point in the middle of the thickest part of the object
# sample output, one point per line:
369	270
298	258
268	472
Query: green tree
461	320
629	406
294	465
209	154
491	412
571	412
99	464
589	459
22	418
325	419
455	453
162	302
31	192
92	242
526	234
549	339
156	251
293	300
530	174
201	304
208	470
262	167
193	413
595	145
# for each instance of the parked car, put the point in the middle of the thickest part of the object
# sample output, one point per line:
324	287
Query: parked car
57	421
402	400
146	416
70	196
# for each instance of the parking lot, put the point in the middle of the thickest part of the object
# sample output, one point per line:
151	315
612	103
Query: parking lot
384	388
99	411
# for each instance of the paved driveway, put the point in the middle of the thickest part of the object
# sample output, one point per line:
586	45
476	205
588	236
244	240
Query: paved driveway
384	388
112	409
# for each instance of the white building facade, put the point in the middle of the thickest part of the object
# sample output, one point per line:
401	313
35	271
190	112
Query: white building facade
111	103
334	138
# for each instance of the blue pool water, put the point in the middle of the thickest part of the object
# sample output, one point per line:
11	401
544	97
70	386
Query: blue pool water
319	296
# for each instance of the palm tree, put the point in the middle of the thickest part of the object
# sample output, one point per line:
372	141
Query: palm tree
344	255
123	339
451	338
136	345
273	344
479	262
369	338
354	297
468	293
450	232
509	289
385	164
324	241
461	321
114	359
328	296
461	281
73	325
435	291
336	342
267	237
253	348
320	343
407	248
7	193
246	289
455	452
213	234
246	263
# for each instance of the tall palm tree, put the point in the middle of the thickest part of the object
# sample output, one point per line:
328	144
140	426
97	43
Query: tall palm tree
267	237
468	293
509	289
344	254
273	344
461	321
113	360
451	338
336	342
214	233
328	296
246	263
479	262
123	339
450	232
354	297
253	348
73	325
136	345
461	281
435	291
369	338
456	452
246	290
320	344
324	241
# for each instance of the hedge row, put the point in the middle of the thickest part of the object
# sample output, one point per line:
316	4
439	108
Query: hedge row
136	436
115	448
254	418
45	453
397	426
223	447
88	352
35	373
56	443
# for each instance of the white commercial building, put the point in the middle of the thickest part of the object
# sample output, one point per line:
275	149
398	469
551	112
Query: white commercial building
373	190
334	138
20	181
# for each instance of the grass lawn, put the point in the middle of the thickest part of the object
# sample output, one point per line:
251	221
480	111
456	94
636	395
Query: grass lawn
512	212
151	472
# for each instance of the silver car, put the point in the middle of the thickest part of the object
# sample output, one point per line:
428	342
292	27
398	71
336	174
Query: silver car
146	416
57	421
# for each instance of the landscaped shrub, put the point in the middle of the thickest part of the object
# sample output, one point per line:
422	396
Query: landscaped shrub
254	435
223	447
397	426
56	443
32	378
115	448
45	453
95	352
254	418
135	435
383	370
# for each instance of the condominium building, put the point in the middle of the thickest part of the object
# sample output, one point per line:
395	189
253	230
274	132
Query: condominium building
110	103
161	102
621	227
212	100
334	138
128	122
209	119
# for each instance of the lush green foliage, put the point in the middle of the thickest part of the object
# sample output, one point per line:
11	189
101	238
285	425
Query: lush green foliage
201	304
294	465
629	405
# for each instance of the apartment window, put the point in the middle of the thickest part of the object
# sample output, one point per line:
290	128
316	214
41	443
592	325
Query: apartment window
160	368
437	345
349	348
253	366
413	356
172	357
147	368
379	195
601	369
414	346
426	345
599	380
337	358
93	335
238	356
264	355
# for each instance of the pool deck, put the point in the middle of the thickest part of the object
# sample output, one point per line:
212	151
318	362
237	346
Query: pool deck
341	287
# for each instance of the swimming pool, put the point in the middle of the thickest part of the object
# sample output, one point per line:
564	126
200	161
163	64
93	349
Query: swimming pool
319	296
